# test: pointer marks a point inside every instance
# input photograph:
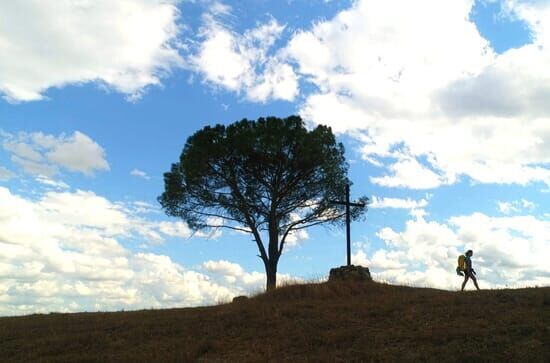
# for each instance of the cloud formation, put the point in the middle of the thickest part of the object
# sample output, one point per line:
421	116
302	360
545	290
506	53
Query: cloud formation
384	202
44	155
125	45
140	173
508	251
427	96
232	274
515	206
5	174
72	259
243	63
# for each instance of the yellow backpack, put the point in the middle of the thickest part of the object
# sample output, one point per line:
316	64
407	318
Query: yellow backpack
461	265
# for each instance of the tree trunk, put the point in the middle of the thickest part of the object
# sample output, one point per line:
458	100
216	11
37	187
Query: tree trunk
271	272
273	259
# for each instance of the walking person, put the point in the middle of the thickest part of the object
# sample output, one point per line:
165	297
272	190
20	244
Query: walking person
469	272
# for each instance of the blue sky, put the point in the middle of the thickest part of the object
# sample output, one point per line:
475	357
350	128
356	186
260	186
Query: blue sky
443	109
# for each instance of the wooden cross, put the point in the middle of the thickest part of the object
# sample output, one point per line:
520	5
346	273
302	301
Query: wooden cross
348	219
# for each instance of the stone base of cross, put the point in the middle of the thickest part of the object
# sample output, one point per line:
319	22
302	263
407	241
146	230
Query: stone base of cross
349	273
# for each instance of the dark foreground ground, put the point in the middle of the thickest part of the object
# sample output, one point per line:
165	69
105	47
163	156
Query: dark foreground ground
328	322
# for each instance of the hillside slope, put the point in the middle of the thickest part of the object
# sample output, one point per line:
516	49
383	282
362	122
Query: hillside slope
343	322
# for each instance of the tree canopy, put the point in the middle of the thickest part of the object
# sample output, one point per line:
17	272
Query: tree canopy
268	177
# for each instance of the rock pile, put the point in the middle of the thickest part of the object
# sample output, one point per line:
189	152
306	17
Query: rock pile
346	273
238	299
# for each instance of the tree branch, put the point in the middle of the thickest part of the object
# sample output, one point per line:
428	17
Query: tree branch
292	227
229	227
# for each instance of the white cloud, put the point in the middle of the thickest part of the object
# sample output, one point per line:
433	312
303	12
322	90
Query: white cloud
382	49
507	207
166	283
56	184
243	63
175	229
140	173
536	13
508	251
278	82
5	174
86	209
295	237
43	155
425	241
408	203
247	282
412	174
125	45
381	259
515	85
78	153
232	273
515	206
527	204
427	95
516	242
63	252
138	207
223	267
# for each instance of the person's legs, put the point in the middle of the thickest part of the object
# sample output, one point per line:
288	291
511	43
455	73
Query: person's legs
465	281
475	281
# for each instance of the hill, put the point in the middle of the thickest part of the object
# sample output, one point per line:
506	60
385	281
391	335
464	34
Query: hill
333	322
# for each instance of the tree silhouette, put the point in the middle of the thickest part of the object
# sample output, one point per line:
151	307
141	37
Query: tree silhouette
268	177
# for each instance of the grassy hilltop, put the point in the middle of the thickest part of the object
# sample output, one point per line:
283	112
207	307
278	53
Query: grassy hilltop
327	322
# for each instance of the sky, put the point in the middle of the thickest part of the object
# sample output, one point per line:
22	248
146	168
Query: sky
443	108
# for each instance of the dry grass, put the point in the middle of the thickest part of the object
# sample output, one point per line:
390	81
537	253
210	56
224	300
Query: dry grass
324	322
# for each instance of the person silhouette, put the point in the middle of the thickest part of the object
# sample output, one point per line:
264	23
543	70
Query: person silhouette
469	273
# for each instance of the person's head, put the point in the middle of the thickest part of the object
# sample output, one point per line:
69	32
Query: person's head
469	253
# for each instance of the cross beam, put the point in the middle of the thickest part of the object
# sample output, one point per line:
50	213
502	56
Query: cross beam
348	204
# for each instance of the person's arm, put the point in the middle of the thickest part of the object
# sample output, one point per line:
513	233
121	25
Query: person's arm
469	268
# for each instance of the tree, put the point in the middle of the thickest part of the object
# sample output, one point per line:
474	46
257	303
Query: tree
269	177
